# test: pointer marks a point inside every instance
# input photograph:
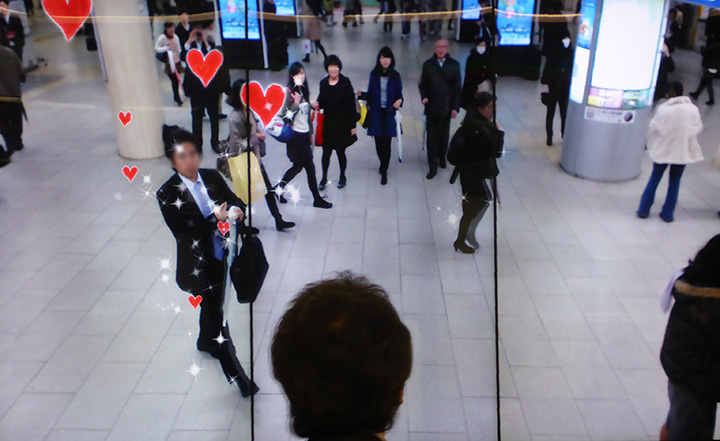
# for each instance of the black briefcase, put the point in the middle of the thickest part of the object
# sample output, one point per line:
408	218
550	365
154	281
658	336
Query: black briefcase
249	269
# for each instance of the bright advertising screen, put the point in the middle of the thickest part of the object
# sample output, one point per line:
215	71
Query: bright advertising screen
285	7
581	63
514	21
232	19
626	54
471	10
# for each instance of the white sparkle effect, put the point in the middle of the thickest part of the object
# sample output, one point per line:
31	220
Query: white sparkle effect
165	278
177	310
220	339
194	369
118	196
178	203
164	264
452	219
147	180
181	187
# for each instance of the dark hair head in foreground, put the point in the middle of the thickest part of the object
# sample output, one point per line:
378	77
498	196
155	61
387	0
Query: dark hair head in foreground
342	355
674	89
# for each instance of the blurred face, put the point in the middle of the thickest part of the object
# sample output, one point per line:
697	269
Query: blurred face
487	111
186	159
184	18
169	32
385	62
481	48
333	70
441	48
299	78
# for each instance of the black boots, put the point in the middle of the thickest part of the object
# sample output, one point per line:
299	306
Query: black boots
461	246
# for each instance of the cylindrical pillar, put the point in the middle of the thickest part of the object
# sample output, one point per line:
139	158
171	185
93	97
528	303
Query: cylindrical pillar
133	84
617	57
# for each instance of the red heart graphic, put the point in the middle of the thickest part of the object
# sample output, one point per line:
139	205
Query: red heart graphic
205	67
125	118
266	104
68	14
224	227
195	301
130	172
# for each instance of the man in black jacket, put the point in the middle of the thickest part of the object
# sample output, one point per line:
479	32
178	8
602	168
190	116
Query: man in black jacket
182	30
205	99
689	353
440	90
14	30
11	107
193	201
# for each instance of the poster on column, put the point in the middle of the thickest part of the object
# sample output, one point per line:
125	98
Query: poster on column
232	19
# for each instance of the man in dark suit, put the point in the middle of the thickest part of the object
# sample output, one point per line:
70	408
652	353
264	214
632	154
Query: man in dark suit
440	90
205	99
14	29
182	30
192	203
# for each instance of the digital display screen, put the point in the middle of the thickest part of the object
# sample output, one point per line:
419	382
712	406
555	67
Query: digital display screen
514	21
285	7
586	27
232	19
471	10
627	47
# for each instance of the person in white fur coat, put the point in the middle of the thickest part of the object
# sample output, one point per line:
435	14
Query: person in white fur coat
672	141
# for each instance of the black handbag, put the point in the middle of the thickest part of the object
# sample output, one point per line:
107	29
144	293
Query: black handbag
249	269
161	57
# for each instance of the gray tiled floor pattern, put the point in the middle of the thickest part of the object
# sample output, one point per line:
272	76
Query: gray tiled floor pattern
90	348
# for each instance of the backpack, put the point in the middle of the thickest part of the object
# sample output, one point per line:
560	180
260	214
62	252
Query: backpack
457	145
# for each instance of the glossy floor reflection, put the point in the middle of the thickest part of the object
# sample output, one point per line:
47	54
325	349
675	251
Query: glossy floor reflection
91	348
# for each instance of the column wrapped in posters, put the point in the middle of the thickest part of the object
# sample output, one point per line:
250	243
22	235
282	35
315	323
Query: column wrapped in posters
239	174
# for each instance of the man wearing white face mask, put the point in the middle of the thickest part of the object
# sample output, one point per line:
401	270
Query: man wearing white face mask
557	48
478	72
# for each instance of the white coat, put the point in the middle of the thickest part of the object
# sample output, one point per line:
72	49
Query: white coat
673	132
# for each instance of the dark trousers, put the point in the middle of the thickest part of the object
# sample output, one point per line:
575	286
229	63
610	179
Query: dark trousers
270	196
211	105
558	98
175	87
406	19
438	135
299	152
383	147
706	81
474	207
11	126
690	417
327	154
211	325
648	197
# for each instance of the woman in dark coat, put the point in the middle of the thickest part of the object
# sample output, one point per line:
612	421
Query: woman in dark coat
475	160
337	100
384	97
691	348
478	69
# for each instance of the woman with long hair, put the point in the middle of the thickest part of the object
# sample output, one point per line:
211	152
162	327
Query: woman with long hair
384	97
246	135
296	113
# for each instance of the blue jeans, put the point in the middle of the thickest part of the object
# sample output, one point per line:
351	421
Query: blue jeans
690	416
648	196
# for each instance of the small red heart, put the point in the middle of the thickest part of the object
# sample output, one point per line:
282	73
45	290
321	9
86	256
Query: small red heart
68	14
125	118
130	172
266	104
204	67
224	227
195	301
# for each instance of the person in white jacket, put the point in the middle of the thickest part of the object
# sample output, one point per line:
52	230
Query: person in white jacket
168	51
672	141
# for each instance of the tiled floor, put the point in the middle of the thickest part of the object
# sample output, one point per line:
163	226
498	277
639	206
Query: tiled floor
91	349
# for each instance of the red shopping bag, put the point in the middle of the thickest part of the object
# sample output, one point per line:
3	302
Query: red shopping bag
319	128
